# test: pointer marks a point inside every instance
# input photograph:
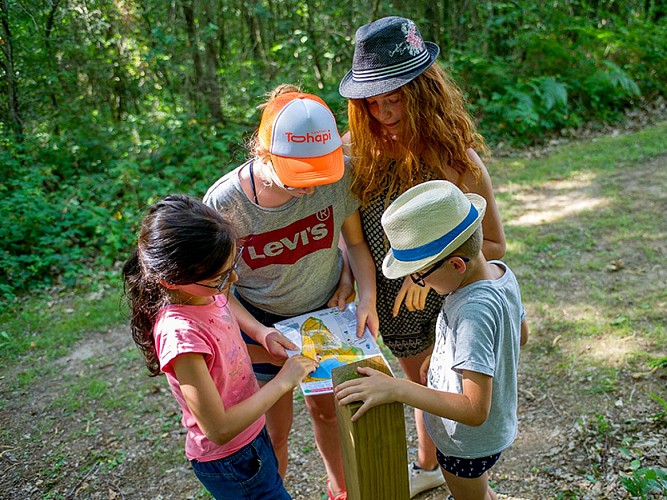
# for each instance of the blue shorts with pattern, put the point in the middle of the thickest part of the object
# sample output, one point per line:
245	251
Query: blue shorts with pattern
469	468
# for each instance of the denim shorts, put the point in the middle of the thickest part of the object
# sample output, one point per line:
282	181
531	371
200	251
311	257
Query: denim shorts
250	473
469	468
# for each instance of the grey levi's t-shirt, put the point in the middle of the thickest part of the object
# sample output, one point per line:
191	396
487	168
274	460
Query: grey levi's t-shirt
479	330
291	261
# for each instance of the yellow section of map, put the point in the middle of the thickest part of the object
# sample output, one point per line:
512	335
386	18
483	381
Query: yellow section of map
320	344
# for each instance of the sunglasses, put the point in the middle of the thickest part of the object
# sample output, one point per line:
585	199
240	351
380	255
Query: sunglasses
225	279
418	278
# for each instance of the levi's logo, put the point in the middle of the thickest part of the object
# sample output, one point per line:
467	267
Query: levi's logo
289	244
319	136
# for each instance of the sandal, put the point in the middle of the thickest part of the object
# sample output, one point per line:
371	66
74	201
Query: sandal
331	496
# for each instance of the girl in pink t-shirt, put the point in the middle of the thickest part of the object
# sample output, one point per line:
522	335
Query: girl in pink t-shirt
177	282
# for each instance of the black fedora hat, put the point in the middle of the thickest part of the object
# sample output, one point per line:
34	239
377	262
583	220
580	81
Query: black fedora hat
388	53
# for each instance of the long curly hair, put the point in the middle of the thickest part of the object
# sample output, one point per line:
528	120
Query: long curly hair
437	131
181	241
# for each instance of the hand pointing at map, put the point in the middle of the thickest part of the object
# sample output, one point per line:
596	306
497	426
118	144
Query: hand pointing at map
276	343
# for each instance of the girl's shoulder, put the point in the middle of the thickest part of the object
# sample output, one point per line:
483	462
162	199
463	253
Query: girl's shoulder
477	180
227	185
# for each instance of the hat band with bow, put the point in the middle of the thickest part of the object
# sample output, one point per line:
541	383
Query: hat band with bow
369	75
435	246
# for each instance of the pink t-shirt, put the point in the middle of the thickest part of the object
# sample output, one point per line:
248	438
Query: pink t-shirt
213	331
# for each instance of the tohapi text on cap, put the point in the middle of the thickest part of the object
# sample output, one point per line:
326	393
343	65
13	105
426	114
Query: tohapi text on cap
322	137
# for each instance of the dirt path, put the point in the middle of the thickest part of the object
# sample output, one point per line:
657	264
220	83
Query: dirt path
96	427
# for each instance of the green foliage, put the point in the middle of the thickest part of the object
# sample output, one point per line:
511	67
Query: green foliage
63	225
645	482
525	109
112	105
661	416
659	363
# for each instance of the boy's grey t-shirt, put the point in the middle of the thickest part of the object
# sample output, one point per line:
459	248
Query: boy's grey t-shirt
291	262
478	329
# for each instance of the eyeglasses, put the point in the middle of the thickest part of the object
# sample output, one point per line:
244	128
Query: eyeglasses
225	279
418	278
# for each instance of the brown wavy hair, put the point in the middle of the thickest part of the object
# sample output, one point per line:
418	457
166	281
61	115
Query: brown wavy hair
437	131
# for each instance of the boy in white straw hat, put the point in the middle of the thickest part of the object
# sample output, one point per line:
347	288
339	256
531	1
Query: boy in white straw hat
470	402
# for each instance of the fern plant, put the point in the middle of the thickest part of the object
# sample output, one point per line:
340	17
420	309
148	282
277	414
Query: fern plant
526	109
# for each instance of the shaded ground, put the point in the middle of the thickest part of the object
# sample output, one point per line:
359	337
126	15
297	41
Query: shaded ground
581	423
98	453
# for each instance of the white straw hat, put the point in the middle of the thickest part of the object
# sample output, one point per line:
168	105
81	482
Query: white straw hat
427	223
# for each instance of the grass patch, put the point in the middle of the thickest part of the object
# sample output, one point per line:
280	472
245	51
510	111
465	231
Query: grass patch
48	326
583	239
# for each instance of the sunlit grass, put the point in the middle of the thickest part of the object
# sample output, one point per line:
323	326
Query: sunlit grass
46	326
585	243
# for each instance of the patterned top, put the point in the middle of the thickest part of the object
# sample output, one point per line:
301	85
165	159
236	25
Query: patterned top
409	333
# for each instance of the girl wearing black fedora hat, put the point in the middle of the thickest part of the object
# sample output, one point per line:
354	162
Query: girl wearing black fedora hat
409	124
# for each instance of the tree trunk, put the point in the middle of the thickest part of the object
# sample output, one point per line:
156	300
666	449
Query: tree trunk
255	31
8	66
50	20
314	49
191	30
212	90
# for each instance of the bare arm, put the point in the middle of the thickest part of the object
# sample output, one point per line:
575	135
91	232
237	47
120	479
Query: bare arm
271	340
494	244
470	408
524	332
347	143
363	269
345	290
259	354
221	424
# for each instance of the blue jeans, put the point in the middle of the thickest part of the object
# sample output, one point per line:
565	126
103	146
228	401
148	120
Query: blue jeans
250	473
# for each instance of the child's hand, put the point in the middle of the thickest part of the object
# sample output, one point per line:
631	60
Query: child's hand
413	295
295	369
276	343
375	389
423	370
343	295
367	316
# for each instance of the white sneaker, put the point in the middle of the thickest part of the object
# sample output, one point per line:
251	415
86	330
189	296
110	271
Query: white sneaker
422	479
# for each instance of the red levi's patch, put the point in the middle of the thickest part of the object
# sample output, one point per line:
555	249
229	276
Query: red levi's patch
290	243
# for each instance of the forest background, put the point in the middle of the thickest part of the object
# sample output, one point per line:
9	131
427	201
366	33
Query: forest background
106	106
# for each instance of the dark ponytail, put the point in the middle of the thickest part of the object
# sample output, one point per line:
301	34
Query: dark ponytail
181	241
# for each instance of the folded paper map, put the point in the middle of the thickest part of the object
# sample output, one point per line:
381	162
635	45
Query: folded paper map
330	337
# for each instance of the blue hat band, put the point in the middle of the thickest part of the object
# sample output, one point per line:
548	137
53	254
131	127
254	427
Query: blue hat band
434	247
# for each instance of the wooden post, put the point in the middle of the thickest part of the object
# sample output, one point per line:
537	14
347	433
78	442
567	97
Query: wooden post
374	447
